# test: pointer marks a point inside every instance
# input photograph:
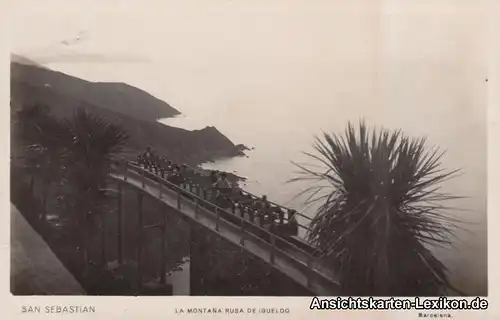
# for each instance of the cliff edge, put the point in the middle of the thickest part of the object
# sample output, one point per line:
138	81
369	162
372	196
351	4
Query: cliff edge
133	109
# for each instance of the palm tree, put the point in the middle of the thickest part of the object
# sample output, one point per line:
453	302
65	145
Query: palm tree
40	137
74	155
94	143
381	209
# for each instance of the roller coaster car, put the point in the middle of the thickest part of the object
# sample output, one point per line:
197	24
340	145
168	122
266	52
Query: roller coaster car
223	202
176	179
286	230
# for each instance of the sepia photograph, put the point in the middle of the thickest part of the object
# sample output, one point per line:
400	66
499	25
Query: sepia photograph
248	148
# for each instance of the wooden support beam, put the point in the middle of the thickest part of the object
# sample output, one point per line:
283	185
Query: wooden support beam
163	255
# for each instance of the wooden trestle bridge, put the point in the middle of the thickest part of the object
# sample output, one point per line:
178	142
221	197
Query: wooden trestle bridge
288	254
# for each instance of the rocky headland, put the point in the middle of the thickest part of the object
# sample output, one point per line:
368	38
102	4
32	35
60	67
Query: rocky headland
133	109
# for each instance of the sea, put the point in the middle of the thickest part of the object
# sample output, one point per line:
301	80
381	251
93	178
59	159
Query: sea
274	77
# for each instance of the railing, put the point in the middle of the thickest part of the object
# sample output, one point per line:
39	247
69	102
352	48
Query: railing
296	239
248	210
256	198
276	244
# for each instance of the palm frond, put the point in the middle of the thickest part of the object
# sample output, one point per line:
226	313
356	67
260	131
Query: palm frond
381	202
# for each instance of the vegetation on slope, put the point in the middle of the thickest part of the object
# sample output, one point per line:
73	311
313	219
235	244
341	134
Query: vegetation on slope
126	108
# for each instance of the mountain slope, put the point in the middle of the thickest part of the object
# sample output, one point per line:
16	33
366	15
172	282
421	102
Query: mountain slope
117	97
180	145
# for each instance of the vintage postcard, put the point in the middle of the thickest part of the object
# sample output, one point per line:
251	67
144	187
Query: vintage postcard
273	159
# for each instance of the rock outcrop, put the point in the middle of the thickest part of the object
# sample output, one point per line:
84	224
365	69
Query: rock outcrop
129	107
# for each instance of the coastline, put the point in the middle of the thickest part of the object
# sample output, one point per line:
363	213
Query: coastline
118	102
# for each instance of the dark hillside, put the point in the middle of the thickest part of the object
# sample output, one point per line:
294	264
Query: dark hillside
117	97
192	147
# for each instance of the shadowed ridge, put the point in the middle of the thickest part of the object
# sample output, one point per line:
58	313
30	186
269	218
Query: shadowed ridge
117	97
33	85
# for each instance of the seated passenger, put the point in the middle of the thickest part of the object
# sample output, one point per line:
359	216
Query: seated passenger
263	204
223	185
176	177
214	176
169	167
162	171
293	225
154	159
147	158
280	214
